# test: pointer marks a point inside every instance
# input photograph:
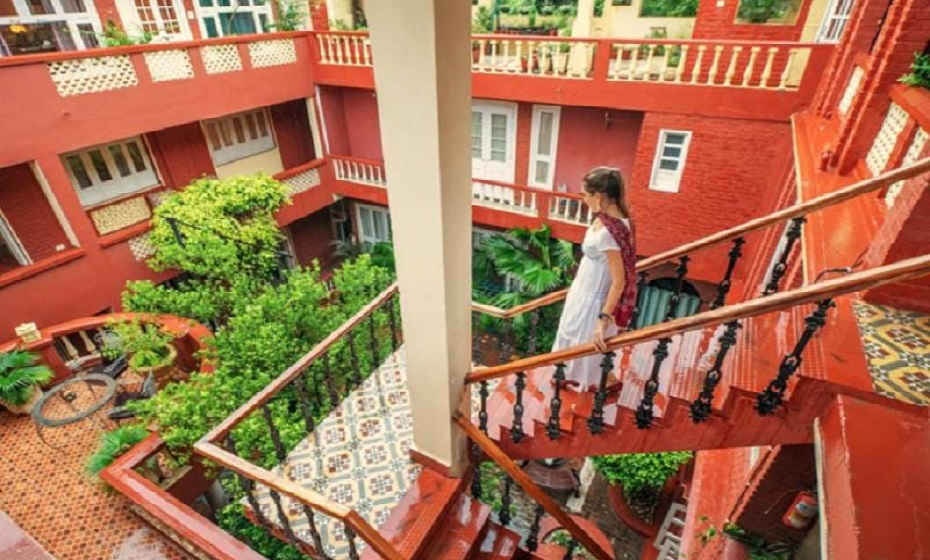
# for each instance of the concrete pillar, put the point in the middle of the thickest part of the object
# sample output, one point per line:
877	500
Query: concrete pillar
423	84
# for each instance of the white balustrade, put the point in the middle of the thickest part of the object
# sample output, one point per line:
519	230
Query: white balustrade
570	210
712	64
533	56
357	171
502	197
344	49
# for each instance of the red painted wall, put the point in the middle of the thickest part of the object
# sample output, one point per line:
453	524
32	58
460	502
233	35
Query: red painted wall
292	131
312	237
720	23
181	154
585	141
731	167
28	213
352	123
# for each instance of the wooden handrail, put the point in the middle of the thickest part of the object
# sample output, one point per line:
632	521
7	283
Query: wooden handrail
263	396
858	281
523	480
315	501
818	203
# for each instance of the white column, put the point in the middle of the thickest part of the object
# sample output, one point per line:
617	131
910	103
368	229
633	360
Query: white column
423	84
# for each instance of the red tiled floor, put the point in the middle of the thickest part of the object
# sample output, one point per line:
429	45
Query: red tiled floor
47	493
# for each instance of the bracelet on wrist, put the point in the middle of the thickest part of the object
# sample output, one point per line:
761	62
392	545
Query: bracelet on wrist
603	315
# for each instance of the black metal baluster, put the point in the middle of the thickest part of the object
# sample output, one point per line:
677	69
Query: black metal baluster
483	410
350	536
532	540
596	420
314	532
780	267
700	408
570	551
534	325
375	350
772	397
304	399
356	367
553	428
282	516
248	487
644	412
723	288
506	500
516	429
329	381
642	278
476	489
279	450
395	342
680	272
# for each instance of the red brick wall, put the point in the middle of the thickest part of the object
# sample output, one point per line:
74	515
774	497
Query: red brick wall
720	23
181	154
312	236
732	166
292	131
28	213
586	141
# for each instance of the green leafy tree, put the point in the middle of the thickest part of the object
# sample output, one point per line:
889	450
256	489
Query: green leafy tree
669	8
290	16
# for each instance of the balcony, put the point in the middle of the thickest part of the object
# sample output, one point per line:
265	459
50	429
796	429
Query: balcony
91	97
734	79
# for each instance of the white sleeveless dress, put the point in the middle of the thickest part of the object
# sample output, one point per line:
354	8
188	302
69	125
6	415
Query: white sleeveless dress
585	301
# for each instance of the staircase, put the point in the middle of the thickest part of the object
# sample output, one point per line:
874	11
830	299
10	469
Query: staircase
732	422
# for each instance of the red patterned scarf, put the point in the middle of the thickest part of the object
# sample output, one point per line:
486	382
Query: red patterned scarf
626	240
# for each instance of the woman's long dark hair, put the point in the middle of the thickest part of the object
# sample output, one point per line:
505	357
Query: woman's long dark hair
609	182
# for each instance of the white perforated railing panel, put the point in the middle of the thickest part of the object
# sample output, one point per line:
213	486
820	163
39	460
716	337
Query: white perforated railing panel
221	58
92	75
852	88
913	153
166	66
886	139
272	53
302	181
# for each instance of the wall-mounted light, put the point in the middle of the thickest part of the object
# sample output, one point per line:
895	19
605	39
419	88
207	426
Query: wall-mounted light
17	28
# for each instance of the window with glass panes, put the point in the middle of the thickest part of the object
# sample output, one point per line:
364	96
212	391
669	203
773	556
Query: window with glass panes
158	16
669	163
111	170
237	136
220	18
543	145
374	224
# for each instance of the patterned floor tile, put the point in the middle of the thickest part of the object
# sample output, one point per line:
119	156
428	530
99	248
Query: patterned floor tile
358	457
897	346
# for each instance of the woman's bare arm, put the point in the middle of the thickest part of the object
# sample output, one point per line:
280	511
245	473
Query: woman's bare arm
617	284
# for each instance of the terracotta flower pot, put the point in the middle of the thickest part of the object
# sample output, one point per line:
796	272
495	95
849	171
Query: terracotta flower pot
161	373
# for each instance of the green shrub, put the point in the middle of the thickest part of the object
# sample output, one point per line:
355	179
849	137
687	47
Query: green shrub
669	8
919	76
640	470
145	343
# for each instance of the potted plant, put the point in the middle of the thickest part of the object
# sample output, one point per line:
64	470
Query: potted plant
638	482
148	348
20	378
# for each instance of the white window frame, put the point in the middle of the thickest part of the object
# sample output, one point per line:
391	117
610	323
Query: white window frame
117	186
535	156
488	108
158	21
215	12
838	11
672	185
9	238
363	236
227	154
71	20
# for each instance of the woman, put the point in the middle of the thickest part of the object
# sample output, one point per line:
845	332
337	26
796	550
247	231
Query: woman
603	293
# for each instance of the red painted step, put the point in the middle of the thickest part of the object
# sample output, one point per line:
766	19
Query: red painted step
500	544
462	531
415	523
